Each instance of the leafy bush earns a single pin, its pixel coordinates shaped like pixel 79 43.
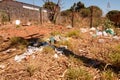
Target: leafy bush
pixel 85 12
pixel 4 17
pixel 54 33
pixel 48 49
pixel 108 24
pixel 73 33
pixel 114 16
pixel 115 56
pixel 77 74
pixel 18 40
pixel 111 55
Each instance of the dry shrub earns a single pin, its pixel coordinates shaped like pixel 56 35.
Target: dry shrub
pixel 74 33
pixel 77 74
pixel 108 75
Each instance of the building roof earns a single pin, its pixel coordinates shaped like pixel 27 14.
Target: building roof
pixel 22 3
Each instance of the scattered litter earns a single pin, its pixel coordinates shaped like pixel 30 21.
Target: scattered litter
pixel 29 51
pixel 57 38
pixel 69 26
pixel 92 29
pixel 84 30
pixel 9 50
pixel 101 40
pixel 105 34
pixel 110 31
pixel 59 50
pixel 33 56
pixel 2 66
pixel 52 40
pixel 64 46
pixel 116 38
pixel 99 33
pixel 55 55
pixel 80 50
pixel 18 58
pixel 17 22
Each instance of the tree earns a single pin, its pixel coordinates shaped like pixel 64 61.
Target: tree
pixel 77 6
pixel 53 8
pixel 97 12
pixel 114 16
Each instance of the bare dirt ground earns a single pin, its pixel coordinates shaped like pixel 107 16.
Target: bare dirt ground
pixel 43 65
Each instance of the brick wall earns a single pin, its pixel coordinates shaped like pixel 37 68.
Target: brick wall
pixel 16 11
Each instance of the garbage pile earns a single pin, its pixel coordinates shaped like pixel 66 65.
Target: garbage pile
pixel 36 46
pixel 31 50
pixel 96 32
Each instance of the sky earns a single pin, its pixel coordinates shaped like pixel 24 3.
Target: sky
pixel 66 4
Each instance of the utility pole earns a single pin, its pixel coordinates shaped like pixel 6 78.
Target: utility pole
pixel 91 17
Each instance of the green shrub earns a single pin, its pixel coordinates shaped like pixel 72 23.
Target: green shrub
pixel 55 33
pixel 115 59
pixel 111 55
pixel 18 40
pixel 108 24
pixel 48 49
pixel 77 74
pixel 65 43
pixel 4 17
pixel 73 33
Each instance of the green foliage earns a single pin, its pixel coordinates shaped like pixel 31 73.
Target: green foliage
pixel 77 6
pixel 97 12
pixel 49 5
pixel 73 33
pixel 66 43
pixel 85 12
pixel 115 56
pixel 54 33
pixel 18 40
pixel 66 12
pixel 53 9
pixel 108 24
pixel 111 55
pixel 48 49
pixel 4 17
pixel 114 16
pixel 77 74
pixel 31 69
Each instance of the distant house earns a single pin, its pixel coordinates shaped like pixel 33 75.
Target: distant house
pixel 20 11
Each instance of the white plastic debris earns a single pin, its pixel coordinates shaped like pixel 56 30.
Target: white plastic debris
pixel 31 50
pixel 2 66
pixel 18 58
pixel 9 50
pixel 17 22
pixel 58 51
pixel 99 33
pixel 92 29
pixel 80 50
pixel 116 38
pixel 83 30
pixel 55 55
pixel 64 46
pixel 57 38
pixel 69 26
pixel 104 33
pixel 101 40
